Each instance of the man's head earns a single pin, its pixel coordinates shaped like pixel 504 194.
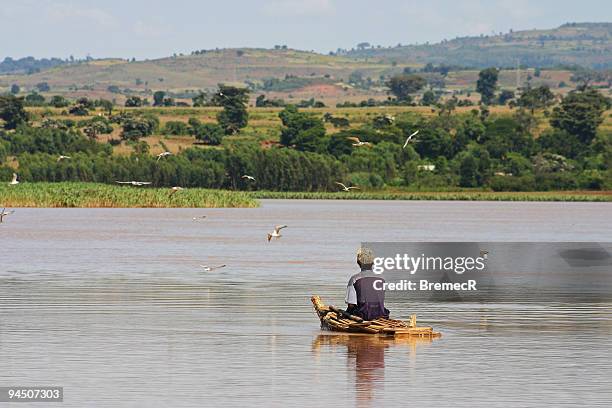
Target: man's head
pixel 365 258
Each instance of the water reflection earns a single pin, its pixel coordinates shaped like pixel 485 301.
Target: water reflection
pixel 365 357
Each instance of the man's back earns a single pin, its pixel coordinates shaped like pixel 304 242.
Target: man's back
pixel 364 290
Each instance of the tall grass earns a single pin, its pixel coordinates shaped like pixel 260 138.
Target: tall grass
pixel 441 195
pixel 92 195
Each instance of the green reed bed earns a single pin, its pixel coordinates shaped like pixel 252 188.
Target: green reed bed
pixel 92 195
pixel 442 195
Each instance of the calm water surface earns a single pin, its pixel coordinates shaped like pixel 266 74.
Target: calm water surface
pixel 112 305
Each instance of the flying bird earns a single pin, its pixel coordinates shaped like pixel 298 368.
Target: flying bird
pixel 246 176
pixel 134 183
pixel 164 154
pixel 201 217
pixel 212 268
pixel 174 190
pixel 4 213
pixel 62 157
pixel 14 181
pixel 345 188
pixel 410 138
pixel 276 233
pixel 359 142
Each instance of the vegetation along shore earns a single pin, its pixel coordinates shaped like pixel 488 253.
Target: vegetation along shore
pixel 527 144
pixel 99 195
pixel 94 195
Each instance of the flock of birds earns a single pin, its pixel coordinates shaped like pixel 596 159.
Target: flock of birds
pixel 174 189
pixel 272 235
pixel 359 143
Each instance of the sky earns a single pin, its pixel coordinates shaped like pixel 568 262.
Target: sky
pixel 158 28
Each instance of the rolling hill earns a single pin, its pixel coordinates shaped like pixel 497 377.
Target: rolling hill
pixel 584 44
pixel 325 76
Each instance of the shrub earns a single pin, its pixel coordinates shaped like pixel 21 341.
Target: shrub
pixel 138 126
pixel 592 180
pixel 206 132
pixel 556 181
pixel 176 128
pixel 59 101
pixel 510 183
pixel 78 110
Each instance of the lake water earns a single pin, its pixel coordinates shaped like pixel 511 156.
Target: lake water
pixel 112 305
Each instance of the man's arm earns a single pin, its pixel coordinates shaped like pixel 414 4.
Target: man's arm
pixel 351 294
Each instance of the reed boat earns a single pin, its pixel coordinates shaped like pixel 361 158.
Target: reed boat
pixel 335 319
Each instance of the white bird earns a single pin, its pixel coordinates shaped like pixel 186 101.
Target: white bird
pixel 410 138
pixel 359 142
pixel 174 190
pixel 345 188
pixel 212 268
pixel 14 181
pixel 4 213
pixel 62 157
pixel 201 217
pixel 134 183
pixel 246 176
pixel 164 154
pixel 276 233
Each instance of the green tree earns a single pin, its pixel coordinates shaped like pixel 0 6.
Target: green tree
pixel 12 112
pixel 201 99
pixel 536 98
pixel 339 145
pixel 15 89
pixel 234 101
pixel 581 113
pixel 302 130
pixel 486 84
pixel 85 102
pixel 429 98
pixel 471 129
pixel 403 85
pixel 504 135
pixel 176 128
pixel 43 87
pixel 133 102
pixel 58 101
pixel 517 165
pixel 208 133
pixel 560 142
pixel 137 126
pixel 434 142
pixel 158 98
pixel 106 105
pixel 34 99
pixel 505 96
pixel 474 166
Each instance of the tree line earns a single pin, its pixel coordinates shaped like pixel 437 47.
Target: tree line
pixel 451 150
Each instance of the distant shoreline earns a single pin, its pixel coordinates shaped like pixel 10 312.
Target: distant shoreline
pixel 98 195
pixel 563 196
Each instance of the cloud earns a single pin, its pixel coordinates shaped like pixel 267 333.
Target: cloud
pixel 142 29
pixel 519 9
pixel 298 8
pixel 442 19
pixel 62 12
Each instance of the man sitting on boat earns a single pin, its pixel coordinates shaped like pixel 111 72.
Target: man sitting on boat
pixel 362 298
